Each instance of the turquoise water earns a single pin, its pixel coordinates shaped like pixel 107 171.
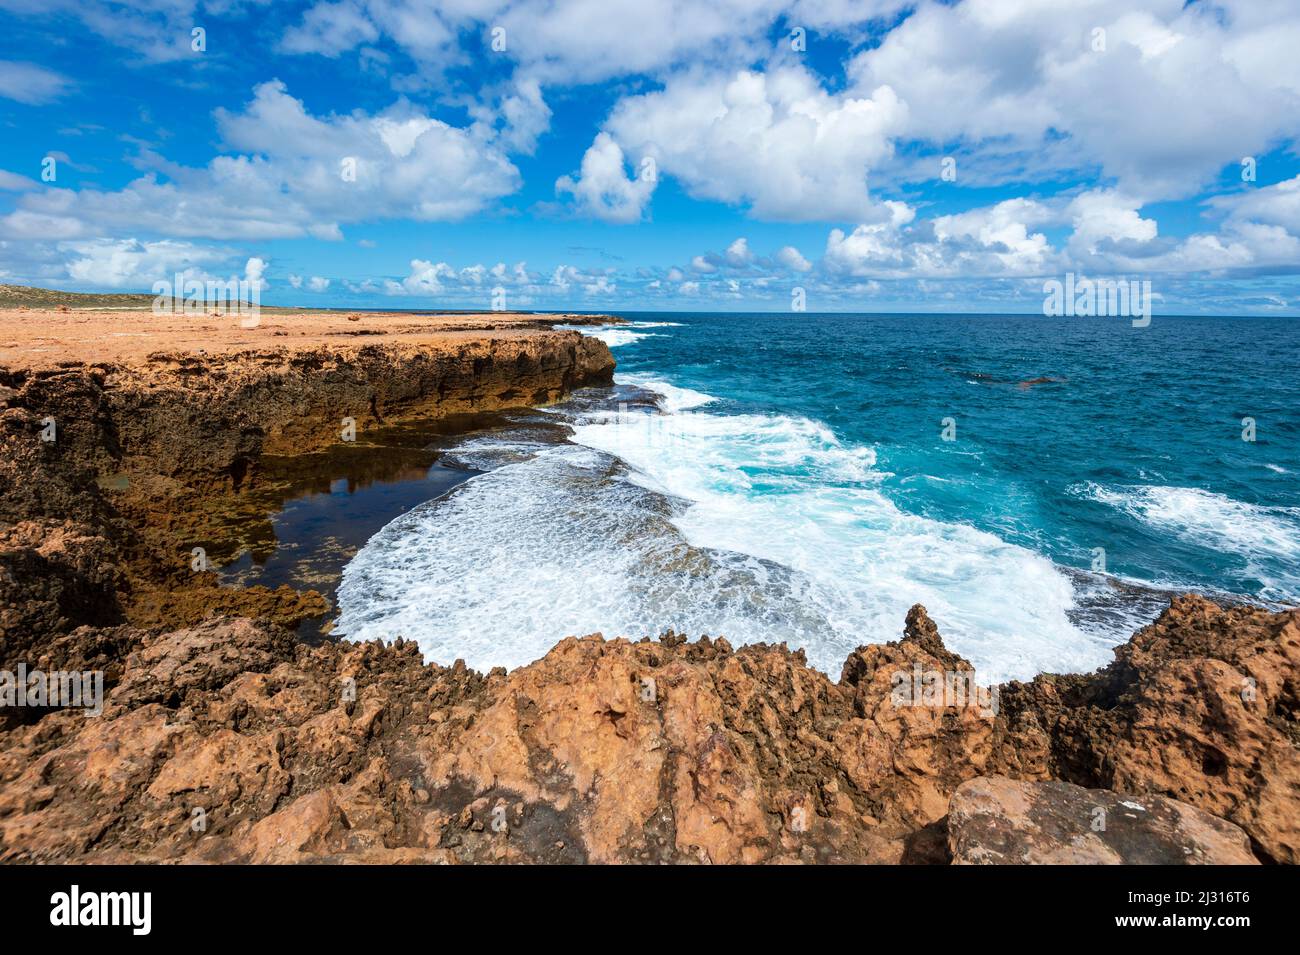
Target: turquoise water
pixel 786 477
pixel 1138 448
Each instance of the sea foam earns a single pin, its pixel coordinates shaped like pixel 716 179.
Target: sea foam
pixel 758 528
pixel 1212 521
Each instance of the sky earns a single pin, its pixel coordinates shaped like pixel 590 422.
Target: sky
pixel 848 155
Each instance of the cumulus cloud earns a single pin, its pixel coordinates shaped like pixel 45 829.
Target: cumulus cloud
pixel 791 258
pixel 292 174
pixel 1151 94
pixel 1273 205
pixel 255 272
pixel 1109 235
pixel 775 141
pixel 133 264
pixel 427 278
pixel 738 255
pixel 603 189
pixel 331 28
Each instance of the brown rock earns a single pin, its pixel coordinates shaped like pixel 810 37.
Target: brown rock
pixel 997 821
pixel 1201 706
pixel 655 751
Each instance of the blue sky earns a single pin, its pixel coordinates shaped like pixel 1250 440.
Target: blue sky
pixel 632 154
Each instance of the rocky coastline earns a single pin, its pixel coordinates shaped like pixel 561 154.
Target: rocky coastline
pixel 224 739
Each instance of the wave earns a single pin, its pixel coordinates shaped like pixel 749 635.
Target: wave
pixel 1266 538
pixel 759 528
pixel 785 490
pixel 1206 518
pixel 617 335
pixel 672 398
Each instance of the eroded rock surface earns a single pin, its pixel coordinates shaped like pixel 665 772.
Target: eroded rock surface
pixel 998 821
pixel 114 468
pixel 228 741
pixel 1202 706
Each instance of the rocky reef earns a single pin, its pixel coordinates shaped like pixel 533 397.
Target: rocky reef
pixel 222 738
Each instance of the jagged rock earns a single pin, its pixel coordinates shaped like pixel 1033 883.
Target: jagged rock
pixel 607 750
pixel 995 821
pixel 1201 706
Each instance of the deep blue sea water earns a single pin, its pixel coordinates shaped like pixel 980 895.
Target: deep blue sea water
pixel 786 477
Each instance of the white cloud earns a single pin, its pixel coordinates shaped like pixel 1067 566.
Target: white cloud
pixel 294 174
pixel 425 278
pixel 576 41
pixel 524 115
pixel 1161 109
pixel 1106 220
pixel 1275 205
pixel 568 40
pixel 776 141
pixel 132 264
pixel 738 254
pixel 254 273
pixel 318 284
pixel 793 259
pixel 12 182
pixel 437 278
pixel 997 240
pixel 31 84
pixel 603 190
pixel 998 234
pixel 330 29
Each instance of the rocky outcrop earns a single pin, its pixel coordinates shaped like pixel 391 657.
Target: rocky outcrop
pixel 998 821
pixel 136 462
pixel 230 742
pixel 1202 706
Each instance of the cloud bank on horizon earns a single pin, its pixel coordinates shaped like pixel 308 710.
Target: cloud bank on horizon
pixel 657 154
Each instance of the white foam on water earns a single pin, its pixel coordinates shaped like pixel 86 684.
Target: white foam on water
pixel 507 564
pixel 786 491
pixel 615 335
pixel 1216 522
pixel 759 528
pixel 1206 518
pixel 671 397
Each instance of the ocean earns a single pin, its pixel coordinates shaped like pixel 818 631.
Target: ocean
pixel 1041 485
